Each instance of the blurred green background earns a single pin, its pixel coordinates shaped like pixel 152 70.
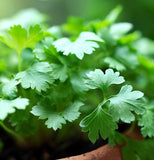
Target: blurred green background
pixel 138 12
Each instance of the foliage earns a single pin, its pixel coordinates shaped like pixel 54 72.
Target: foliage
pixel 57 72
pixel 134 149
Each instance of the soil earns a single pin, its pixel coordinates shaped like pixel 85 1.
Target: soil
pixel 76 146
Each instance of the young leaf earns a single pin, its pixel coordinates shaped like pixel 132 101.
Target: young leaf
pixel 39 54
pixel 73 25
pixel 98 121
pixel 55 32
pixel 71 113
pixel 85 43
pixel 127 57
pixel 124 102
pixel 147 121
pixel 77 82
pixel 97 79
pixel 127 39
pixel 113 15
pixel 144 46
pixel 56 119
pixel 19 39
pixel 36 76
pixel 120 29
pixel 113 63
pixel 10 88
pixel 16 38
pixel 147 63
pixel 34 36
pixel 59 72
pixel 10 106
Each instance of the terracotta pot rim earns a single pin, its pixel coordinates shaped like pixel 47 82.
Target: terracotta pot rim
pixel 106 152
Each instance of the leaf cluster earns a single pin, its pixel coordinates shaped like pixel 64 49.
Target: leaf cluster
pixel 98 72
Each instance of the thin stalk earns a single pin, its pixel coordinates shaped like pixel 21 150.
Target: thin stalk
pixel 8 130
pixel 19 61
pixel 104 91
pixel 132 126
pixel 21 141
pixel 104 95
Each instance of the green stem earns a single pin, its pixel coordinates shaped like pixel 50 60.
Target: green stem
pixel 8 130
pixel 104 91
pixel 102 103
pixel 104 95
pixel 19 61
pixel 132 126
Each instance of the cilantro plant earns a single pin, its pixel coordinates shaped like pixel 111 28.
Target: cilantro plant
pixel 98 72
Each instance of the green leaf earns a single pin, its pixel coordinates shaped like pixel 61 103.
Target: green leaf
pixel 56 119
pixel 144 46
pixel 147 121
pixel 77 81
pixel 138 150
pixel 20 120
pixel 73 25
pixel 127 57
pixel 18 38
pixel 36 76
pixel 59 71
pixel 41 50
pixel 129 38
pixel 118 30
pixel 40 54
pixel 113 15
pixel 47 43
pixel 126 101
pixel 117 138
pixel 97 79
pixel 147 63
pixel 99 121
pixel 113 63
pixel 84 44
pixel 10 88
pixel 55 32
pixel 34 36
pixel 10 106
pixel 108 38
pixel 71 113
pixel 60 92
